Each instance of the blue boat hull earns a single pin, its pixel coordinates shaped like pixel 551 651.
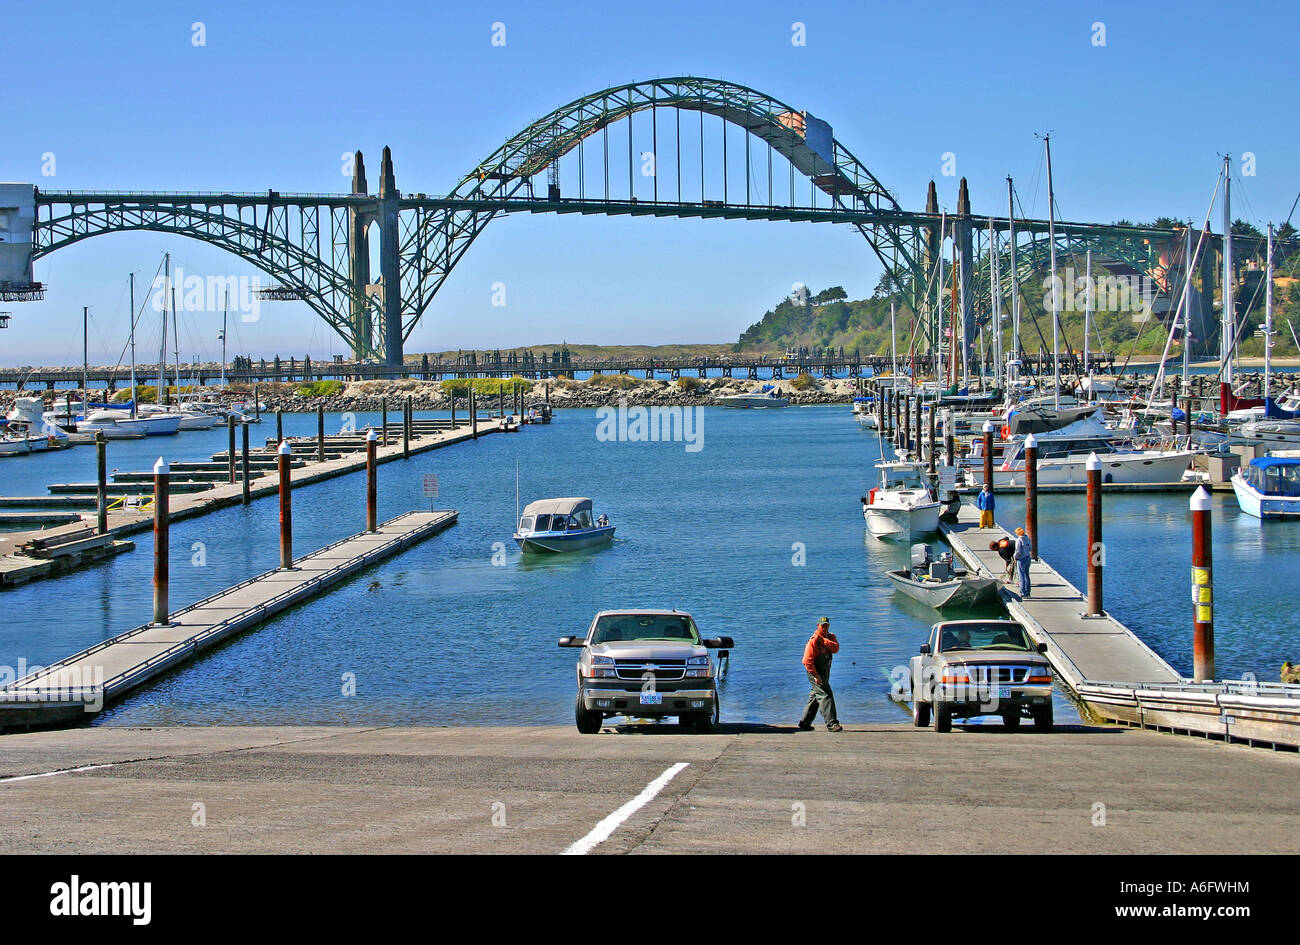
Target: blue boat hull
pixel 555 542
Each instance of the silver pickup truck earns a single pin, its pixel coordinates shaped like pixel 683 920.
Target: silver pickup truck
pixel 970 668
pixel 647 664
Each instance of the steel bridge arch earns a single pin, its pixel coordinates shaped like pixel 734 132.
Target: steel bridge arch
pixel 268 244
pixel 434 240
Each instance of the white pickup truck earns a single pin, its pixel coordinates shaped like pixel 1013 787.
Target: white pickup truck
pixel 646 664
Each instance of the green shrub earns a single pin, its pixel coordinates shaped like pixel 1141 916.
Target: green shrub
pixel 802 382
pixel 689 383
pixel 486 386
pixel 612 381
pixel 319 388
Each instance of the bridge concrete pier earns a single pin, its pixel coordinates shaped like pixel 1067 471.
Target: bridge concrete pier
pixel 390 260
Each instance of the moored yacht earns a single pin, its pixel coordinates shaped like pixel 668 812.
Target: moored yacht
pixel 902 506
pixel 766 396
pixel 1269 487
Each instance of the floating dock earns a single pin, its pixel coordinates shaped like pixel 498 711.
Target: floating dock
pixel 1115 675
pixel 195 491
pixel 82 685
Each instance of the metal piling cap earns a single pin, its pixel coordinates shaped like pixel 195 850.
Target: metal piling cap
pixel 372 436
pixel 1200 501
pixel 988 426
pixel 161 468
pixel 1031 442
pixel 1093 463
pixel 285 448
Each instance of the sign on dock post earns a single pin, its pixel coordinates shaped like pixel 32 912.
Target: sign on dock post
pixel 1202 588
pixel 431 488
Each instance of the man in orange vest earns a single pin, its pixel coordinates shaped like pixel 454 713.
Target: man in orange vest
pixel 817 655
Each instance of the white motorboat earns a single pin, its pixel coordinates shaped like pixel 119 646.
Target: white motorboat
pixel 864 412
pixel 21 437
pixel 186 419
pixel 559 525
pixel 766 396
pixel 1271 434
pixel 114 424
pixel 902 506
pixel 1269 488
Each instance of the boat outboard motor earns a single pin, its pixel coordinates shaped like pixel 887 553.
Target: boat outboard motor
pixel 920 556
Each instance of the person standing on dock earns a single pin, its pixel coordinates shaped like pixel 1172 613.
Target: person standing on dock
pixel 817 655
pixel 985 502
pixel 1024 552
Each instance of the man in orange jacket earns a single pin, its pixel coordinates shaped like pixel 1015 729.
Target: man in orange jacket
pixel 822 646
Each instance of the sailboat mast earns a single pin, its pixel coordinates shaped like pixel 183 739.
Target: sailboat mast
pixel 938 304
pixel 1051 246
pixel 996 298
pixel 133 391
pixel 893 343
pixel 85 357
pixel 176 343
pixel 1187 302
pixel 1227 329
pixel 1087 313
pixel 1268 320
pixel 1015 273
pixel 225 315
pixel 162 347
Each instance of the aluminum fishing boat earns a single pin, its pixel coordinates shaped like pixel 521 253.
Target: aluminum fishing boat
pixel 939 584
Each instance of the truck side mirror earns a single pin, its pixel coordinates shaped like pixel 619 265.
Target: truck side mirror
pixel 925 649
pixel 1042 648
pixel 720 643
pixel 572 641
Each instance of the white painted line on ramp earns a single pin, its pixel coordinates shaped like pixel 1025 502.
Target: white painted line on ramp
pixel 601 832
pixel 50 774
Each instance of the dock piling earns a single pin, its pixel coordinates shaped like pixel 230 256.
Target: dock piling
pixel 161 486
pixel 1202 588
pixel 279 425
pixel 905 408
pixel 1096 549
pixel 406 429
pixel 949 439
pixel 230 447
pixel 988 453
pixel 383 416
pixel 917 426
pixel 286 507
pixel 1031 493
pixel 257 406
pixel 452 393
pixel 473 411
pixel 101 493
pixel 320 434
pixel 372 518
pixel 243 454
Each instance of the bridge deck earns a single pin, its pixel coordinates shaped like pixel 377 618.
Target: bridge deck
pixel 71 688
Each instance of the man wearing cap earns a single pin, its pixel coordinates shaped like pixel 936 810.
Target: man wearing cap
pixel 1024 551
pixel 817 655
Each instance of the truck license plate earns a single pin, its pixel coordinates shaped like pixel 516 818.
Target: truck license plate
pixel 1004 692
pixel 652 698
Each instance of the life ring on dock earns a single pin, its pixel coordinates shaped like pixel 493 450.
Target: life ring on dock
pixel 1006 431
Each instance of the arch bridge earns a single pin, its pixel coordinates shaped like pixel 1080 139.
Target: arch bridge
pixel 676 147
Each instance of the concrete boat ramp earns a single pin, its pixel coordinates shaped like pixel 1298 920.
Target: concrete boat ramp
pixel 84 683
pixel 1113 674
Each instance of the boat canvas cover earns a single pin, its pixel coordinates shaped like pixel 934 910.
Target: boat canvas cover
pixel 1271 462
pixel 557 506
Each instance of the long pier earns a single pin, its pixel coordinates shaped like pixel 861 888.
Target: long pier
pixel 85 683
pixel 1108 668
pixel 196 493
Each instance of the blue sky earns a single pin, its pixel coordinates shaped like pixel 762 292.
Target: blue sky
pixel 124 100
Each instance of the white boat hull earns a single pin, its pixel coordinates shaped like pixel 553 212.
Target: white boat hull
pixel 895 522
pixel 1116 468
pixel 1253 502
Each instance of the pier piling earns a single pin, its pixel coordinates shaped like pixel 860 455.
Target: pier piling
pixel 949 439
pixel 931 439
pixel 383 416
pixel 243 456
pixel 161 485
pixel 916 426
pixel 230 447
pixel 1031 493
pixel 1202 588
pixel 1096 550
pixel 473 411
pixel 101 492
pixel 905 439
pixel 372 441
pixel 452 394
pixel 988 453
pixel 320 434
pixel 406 429
pixel 279 425
pixel 286 507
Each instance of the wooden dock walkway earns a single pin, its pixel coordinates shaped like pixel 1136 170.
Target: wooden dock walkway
pixel 75 688
pixel 1113 674
pixel 198 498
pixel 1082 648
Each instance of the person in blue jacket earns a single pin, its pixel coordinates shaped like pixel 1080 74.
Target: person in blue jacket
pixel 984 502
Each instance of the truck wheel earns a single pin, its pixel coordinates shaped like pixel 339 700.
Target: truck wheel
pixel 1011 720
pixel 920 713
pixel 942 717
pixel 706 722
pixel 1043 718
pixel 588 722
